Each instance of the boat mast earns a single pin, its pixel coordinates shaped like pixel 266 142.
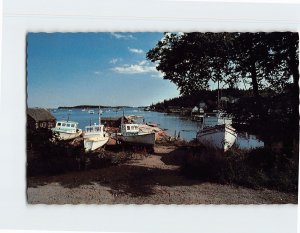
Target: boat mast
pixel 123 131
pixel 99 117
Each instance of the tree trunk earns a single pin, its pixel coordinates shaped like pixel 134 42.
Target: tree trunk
pixel 254 80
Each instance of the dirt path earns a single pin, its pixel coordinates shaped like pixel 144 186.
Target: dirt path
pixel 156 160
pixel 155 179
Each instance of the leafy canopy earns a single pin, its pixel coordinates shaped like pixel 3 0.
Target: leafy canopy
pixel 191 60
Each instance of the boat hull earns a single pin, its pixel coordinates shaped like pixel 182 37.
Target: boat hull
pixel 221 137
pixel 68 136
pixel 144 139
pixel 94 142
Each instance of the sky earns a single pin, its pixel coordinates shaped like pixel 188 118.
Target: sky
pixel 68 69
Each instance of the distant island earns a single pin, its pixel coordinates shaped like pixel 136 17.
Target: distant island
pixel 95 106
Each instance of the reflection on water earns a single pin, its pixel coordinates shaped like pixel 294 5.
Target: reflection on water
pixel 170 122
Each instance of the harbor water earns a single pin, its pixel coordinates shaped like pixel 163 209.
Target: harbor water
pixel 173 124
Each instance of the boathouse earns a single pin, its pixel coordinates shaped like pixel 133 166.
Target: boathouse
pixel 114 121
pixel 39 118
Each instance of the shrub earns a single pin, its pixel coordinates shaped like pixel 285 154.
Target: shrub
pixel 48 156
pixel 258 168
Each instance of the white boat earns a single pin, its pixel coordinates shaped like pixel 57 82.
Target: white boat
pixel 67 130
pixel 94 136
pixel 91 111
pixel 221 137
pixel 130 133
pixel 216 131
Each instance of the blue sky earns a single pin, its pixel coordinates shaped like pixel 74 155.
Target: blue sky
pixel 67 69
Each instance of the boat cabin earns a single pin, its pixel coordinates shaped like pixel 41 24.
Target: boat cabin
pixel 66 126
pixel 130 129
pixel 94 128
pixel 216 118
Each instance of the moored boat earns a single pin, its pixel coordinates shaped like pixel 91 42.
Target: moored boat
pixel 91 111
pixel 130 133
pixel 216 131
pixel 67 130
pixel 221 137
pixel 94 136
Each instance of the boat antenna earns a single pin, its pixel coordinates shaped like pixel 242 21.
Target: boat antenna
pixel 68 117
pixel 90 122
pixel 99 116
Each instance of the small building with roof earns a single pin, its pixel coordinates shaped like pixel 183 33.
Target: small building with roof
pixel 115 121
pixel 39 118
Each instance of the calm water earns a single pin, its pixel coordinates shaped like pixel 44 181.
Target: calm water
pixel 171 123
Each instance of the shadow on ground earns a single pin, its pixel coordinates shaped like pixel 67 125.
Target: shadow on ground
pixel 177 156
pixel 125 178
pixel 129 179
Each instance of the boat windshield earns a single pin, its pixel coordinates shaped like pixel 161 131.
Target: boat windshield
pixel 130 128
pixel 93 128
pixel 66 124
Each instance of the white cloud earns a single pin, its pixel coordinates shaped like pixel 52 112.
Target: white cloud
pixel 157 75
pixel 134 69
pixel 142 67
pixel 97 72
pixel 142 63
pixel 114 60
pixel 133 50
pixel 122 36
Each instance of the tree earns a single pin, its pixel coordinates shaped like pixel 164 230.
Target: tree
pixel 191 60
pixel 267 61
pixel 285 47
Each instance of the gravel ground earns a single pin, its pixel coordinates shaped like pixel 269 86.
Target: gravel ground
pixel 154 179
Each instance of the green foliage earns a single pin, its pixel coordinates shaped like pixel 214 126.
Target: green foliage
pixel 207 96
pixel 273 122
pixel 205 164
pixel 267 61
pixel 46 155
pixel 191 60
pixel 259 168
